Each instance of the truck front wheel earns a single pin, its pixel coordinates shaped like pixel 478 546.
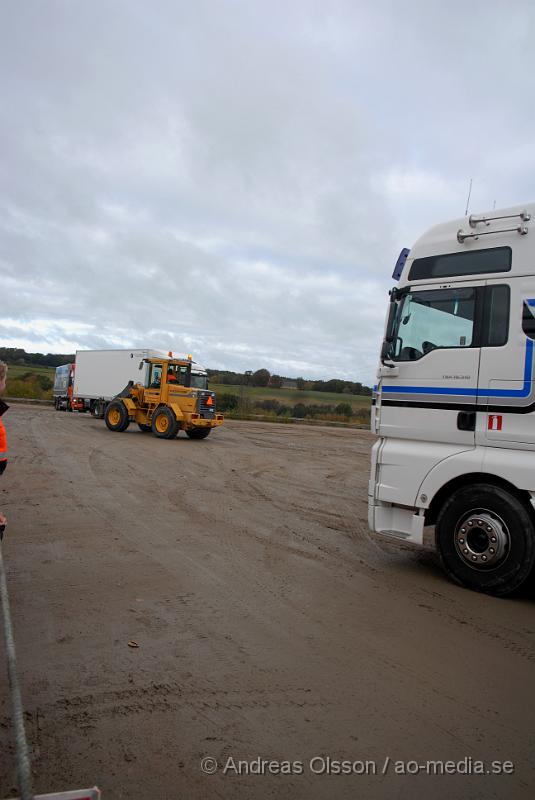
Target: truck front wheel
pixel 198 433
pixel 164 423
pixel 116 417
pixel 486 539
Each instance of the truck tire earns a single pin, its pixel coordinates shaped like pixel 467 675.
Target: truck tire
pixel 485 537
pixel 198 433
pixel 98 409
pixel 144 428
pixel 164 423
pixel 116 416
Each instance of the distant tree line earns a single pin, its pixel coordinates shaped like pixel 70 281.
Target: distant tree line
pixel 335 385
pixel 15 355
pixel 262 377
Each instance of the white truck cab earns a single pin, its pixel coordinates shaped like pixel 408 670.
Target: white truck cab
pixel 454 404
pixel 199 376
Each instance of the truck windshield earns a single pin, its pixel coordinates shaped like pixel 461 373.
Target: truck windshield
pixel 428 320
pixel 199 381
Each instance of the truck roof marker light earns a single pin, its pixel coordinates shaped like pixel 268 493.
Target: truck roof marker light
pixel 190 358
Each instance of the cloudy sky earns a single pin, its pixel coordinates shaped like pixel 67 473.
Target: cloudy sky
pixel 235 179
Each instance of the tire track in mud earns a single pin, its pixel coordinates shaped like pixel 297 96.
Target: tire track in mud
pixel 455 615
pixel 173 695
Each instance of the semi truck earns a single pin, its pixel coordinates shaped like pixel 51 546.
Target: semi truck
pixel 454 403
pixel 63 391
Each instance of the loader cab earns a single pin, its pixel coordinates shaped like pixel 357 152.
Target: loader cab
pixel 167 374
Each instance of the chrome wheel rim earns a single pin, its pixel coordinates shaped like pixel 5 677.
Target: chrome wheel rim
pixel 482 539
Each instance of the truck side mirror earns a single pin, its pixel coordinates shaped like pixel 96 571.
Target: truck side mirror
pixel 385 349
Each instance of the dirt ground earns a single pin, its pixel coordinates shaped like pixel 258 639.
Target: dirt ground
pixel 270 624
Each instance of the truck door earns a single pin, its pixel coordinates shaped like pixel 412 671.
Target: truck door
pixel 506 399
pixel 430 391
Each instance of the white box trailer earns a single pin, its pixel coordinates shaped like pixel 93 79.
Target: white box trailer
pixel 101 374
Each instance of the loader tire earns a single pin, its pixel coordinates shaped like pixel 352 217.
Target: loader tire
pixel 164 423
pixel 116 417
pixel 198 433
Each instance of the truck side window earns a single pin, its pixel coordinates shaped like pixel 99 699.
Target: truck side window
pixel 528 320
pixel 433 319
pixel 497 303
pixel 448 265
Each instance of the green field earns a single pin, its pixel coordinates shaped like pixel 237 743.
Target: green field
pixel 289 397
pixel 15 371
pixel 30 382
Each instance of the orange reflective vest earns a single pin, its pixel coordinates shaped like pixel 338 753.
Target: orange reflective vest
pixel 3 439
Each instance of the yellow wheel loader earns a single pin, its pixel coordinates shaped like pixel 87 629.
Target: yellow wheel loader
pixel 166 404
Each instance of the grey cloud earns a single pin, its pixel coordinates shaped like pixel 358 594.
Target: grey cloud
pixel 236 179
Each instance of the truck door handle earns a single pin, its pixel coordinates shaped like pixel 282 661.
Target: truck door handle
pixel 387 371
pixel 466 420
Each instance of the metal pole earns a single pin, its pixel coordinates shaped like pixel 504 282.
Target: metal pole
pixel 468 198
pixel 23 757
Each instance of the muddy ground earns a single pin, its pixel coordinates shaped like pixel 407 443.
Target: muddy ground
pixel 269 624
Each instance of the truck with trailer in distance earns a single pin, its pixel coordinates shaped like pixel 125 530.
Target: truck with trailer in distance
pixel 454 404
pixel 101 374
